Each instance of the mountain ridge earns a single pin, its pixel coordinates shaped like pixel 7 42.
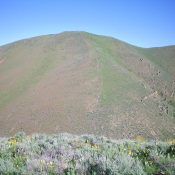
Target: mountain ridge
pixel 83 32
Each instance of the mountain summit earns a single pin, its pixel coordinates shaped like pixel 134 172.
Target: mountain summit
pixel 84 83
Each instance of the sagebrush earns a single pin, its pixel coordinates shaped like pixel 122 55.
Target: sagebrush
pixel 84 155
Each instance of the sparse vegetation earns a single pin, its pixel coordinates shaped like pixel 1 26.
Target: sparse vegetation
pixel 84 155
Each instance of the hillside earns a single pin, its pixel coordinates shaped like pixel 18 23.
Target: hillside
pixel 84 83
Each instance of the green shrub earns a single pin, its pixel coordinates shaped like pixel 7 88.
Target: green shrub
pixel 90 155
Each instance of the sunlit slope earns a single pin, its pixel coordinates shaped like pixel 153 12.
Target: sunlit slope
pixel 83 83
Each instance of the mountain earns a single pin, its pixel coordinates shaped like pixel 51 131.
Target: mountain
pixel 84 83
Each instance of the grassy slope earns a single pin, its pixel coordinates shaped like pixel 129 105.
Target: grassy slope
pixel 122 83
pixel 163 57
pixel 50 65
pixel 164 60
pixel 117 79
pixel 28 63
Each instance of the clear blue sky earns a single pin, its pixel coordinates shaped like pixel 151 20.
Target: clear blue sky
pixel 145 23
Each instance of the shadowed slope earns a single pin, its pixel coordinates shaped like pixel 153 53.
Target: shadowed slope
pixel 83 83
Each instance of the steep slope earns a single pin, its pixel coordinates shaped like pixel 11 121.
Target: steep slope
pixel 83 83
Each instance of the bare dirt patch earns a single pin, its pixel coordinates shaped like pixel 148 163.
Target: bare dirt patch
pixel 1 61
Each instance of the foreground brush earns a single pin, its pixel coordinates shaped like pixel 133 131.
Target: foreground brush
pixel 84 155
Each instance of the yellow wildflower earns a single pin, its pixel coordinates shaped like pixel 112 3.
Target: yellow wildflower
pixel 95 146
pixel 43 161
pixel 12 141
pixel 86 141
pixel 50 164
pixel 140 139
pixel 130 152
pixel 171 142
